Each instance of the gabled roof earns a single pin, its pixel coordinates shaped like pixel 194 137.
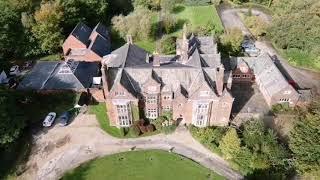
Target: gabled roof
pixel 132 64
pixel 126 56
pixel 60 75
pixel 100 46
pixel 81 32
pixel 266 71
pixel 102 30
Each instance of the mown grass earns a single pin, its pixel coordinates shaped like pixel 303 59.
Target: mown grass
pixel 142 165
pixel 52 57
pixel 299 58
pixel 200 16
pixel 100 111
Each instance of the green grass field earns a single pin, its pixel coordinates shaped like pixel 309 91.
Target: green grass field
pixel 142 165
pixel 199 16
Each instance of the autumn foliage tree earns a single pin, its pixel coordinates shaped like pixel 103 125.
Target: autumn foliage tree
pixel 47 26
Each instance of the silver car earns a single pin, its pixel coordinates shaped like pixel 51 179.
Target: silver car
pixel 48 121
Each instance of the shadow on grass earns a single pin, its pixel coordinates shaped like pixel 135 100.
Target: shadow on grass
pixel 80 173
pixel 178 9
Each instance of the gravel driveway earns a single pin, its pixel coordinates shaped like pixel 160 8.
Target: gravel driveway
pixel 63 148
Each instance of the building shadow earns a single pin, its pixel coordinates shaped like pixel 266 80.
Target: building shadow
pixel 242 93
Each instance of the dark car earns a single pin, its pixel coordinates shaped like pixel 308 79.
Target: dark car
pixel 64 118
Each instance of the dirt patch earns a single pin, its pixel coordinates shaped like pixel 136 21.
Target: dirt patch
pixel 63 141
pixel 48 148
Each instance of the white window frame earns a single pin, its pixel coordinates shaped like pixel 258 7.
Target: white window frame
pixel 124 115
pixel 152 99
pixel 201 114
pixel 152 113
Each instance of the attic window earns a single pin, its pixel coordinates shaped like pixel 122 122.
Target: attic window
pixel 65 69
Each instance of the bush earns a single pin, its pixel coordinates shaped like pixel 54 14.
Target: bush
pixel 150 128
pixel 281 108
pixel 165 119
pixel 169 23
pixel 134 131
pixel 205 30
pixel 167 45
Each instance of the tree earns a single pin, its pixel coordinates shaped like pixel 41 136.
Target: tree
pixel 47 26
pixel 89 11
pixel 230 144
pixel 304 142
pixel 257 26
pixel 12 121
pixel 232 40
pixel 11 30
pixel 149 4
pixel 137 24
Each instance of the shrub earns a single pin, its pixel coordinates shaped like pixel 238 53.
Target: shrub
pixel 150 128
pixel 281 108
pixel 205 30
pixel 134 131
pixel 167 45
pixel 169 23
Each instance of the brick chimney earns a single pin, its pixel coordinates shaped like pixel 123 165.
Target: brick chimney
pixel 184 46
pixel 219 79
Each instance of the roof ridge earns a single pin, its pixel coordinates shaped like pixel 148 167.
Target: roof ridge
pixel 50 76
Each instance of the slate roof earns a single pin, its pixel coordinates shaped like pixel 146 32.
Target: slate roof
pixel 266 71
pixel 100 46
pixel 71 75
pixel 82 32
pixel 129 66
pixel 96 40
pixel 102 30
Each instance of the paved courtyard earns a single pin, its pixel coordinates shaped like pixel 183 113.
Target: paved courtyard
pixel 60 149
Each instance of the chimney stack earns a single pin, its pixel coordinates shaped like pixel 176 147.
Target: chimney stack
pixel 129 39
pixel 219 79
pixel 184 56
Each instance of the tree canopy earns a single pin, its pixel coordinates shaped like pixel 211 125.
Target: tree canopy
pixel 304 142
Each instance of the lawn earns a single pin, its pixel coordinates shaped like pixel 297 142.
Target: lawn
pixel 100 111
pixel 142 165
pixel 52 57
pixel 199 16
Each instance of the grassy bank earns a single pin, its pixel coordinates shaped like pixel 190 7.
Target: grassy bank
pixel 140 165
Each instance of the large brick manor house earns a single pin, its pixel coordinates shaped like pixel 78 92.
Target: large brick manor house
pixel 193 84
pixel 190 83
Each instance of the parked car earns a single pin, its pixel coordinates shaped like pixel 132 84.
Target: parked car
pixel 14 70
pixel 64 118
pixel 252 52
pixel 48 121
